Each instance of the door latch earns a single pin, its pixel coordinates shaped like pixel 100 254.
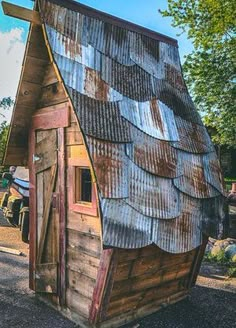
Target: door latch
pixel 36 158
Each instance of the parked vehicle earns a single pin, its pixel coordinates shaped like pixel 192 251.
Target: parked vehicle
pixel 15 202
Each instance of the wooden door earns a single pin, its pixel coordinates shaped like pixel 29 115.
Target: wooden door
pixel 47 200
pixel 45 161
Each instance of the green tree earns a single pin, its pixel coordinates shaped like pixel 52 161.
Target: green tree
pixel 4 127
pixel 210 70
pixel 5 104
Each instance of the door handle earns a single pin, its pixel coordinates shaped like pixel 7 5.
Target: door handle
pixel 36 158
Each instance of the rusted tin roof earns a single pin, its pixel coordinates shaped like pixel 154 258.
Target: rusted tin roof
pixel 154 162
pixel 193 138
pixel 195 177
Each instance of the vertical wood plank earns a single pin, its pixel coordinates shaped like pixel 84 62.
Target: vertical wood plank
pixel 40 203
pixel 197 262
pixel 62 213
pixel 32 212
pixel 46 213
pixel 101 291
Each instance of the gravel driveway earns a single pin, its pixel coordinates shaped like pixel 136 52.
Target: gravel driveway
pixel 212 302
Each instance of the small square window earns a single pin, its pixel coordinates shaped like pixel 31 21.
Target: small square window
pixel 83 185
pixel 82 196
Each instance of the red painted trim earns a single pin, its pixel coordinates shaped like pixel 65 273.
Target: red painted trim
pixel 62 215
pixel 104 284
pixel 32 212
pixel 54 118
pixel 77 207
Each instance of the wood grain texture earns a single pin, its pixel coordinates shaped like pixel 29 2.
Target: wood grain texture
pixel 28 15
pixel 62 214
pixel 73 135
pixel 83 263
pixel 46 213
pixel 52 94
pixel 83 223
pixel 32 212
pixel 85 243
pixel 50 76
pixel 104 284
pixel 146 278
pixel 52 117
pixel 77 302
pixel 46 152
pixel 81 283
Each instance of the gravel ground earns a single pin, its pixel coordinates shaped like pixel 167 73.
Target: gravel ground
pixel 212 302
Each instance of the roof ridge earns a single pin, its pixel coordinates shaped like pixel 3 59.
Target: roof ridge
pixel 108 18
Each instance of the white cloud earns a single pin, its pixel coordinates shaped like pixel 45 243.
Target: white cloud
pixel 11 56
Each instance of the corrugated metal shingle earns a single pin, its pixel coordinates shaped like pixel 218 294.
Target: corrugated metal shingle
pixel 111 167
pixel 151 195
pixel 193 137
pixel 156 171
pixel 123 226
pixel 151 117
pixel 100 119
pixel 181 234
pixel 153 155
pixel 193 181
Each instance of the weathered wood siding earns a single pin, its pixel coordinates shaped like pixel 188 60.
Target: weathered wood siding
pixel 83 235
pixel 146 280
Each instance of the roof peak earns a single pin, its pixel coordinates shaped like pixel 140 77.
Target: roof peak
pixel 89 11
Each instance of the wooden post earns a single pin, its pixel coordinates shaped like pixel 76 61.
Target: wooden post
pixel 62 215
pixel 104 284
pixel 32 212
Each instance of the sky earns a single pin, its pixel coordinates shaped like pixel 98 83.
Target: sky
pixel 13 34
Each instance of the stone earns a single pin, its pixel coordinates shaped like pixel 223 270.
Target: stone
pixel 230 252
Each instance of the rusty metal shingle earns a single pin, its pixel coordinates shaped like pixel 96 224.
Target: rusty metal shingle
pixel 151 195
pixel 153 155
pixel 153 159
pixel 193 137
pixel 169 55
pixel 181 234
pixel 85 80
pixel 213 172
pixel 111 167
pixel 179 102
pixel 193 182
pixel 145 53
pixel 151 117
pixel 123 226
pixel 100 119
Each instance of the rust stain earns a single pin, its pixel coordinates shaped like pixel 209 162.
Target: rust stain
pixel 155 112
pixel 72 47
pixel 95 86
pixel 198 180
pixel 174 77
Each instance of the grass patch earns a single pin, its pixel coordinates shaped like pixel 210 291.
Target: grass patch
pixel 232 272
pixel 221 259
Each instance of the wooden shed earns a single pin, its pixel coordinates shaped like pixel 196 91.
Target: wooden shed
pixel 125 184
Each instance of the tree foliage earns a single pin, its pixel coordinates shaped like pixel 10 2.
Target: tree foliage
pixel 5 104
pixel 3 138
pixel 210 70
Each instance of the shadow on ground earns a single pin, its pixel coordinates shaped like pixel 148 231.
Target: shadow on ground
pixel 205 308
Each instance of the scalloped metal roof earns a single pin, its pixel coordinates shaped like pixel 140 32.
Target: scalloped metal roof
pixel 154 162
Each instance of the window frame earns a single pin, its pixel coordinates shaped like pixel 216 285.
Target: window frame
pixel 89 208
